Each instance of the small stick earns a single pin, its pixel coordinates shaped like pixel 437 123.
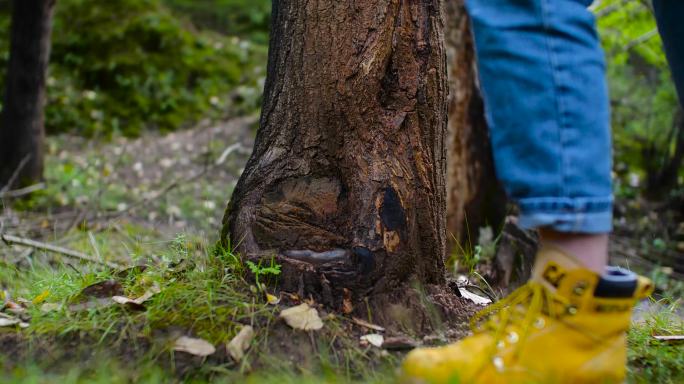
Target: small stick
pixel 22 191
pixel 9 239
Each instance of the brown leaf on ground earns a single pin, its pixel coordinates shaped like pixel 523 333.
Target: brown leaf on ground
pixel 103 289
pixel 302 317
pixel 240 343
pixel 193 346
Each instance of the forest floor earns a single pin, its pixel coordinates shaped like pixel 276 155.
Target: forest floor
pixel 184 307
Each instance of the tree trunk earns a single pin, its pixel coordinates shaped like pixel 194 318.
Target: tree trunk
pixel 474 196
pixel 346 183
pixel 21 129
pixel 665 166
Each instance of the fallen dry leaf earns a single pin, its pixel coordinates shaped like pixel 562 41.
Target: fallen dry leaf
pixel 240 343
pixel 302 317
pixel 373 339
pixel 137 303
pixel 193 346
pixel 368 325
pixel 477 299
pixel 103 289
pixel 5 322
pixel 272 299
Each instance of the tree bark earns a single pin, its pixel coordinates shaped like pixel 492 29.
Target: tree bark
pixel 346 183
pixel 474 196
pixel 21 129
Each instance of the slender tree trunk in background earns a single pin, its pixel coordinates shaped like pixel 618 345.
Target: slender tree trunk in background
pixel 346 184
pixel 21 125
pixel 662 178
pixel 474 196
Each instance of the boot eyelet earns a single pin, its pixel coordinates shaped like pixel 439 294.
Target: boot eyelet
pixel 498 363
pixel 571 310
pixel 513 337
pixel 539 323
pixel 500 345
pixel 580 288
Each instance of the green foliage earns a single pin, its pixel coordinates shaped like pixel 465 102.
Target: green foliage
pixel 651 360
pixel 128 65
pixel 245 18
pixel 259 271
pixel 642 92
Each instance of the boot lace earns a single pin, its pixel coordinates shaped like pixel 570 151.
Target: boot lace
pixel 523 308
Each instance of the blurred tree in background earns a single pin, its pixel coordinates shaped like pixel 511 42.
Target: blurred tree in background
pixel 647 132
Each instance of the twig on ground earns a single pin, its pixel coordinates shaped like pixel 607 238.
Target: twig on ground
pixel 9 239
pixel 16 173
pixel 22 191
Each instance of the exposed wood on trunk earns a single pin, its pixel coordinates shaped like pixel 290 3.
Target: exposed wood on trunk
pixel 346 184
pixel 21 125
pixel 474 196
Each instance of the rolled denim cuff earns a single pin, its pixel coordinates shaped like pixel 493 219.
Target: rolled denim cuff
pixel 578 215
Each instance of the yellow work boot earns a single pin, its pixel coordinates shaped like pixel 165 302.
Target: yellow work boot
pixel 566 325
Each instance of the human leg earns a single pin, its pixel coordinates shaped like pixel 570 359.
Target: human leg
pixel 543 78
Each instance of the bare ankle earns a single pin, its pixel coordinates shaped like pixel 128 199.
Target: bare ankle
pixel 589 249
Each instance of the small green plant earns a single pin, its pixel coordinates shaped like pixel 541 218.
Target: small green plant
pixel 259 271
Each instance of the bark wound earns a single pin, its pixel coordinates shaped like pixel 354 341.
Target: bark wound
pixel 393 220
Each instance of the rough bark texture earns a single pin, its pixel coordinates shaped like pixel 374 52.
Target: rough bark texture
pixel 346 183
pixel 21 125
pixel 474 196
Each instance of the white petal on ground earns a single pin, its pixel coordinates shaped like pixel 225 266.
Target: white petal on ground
pixel 477 299
pixel 373 339
pixel 193 346
pixel 302 317
pixel 240 343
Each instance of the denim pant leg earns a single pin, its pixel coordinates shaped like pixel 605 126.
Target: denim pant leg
pixel 542 73
pixel 670 17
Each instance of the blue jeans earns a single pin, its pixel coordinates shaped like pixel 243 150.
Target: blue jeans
pixel 542 73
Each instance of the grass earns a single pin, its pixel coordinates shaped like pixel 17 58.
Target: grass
pixel 651 360
pixel 204 293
